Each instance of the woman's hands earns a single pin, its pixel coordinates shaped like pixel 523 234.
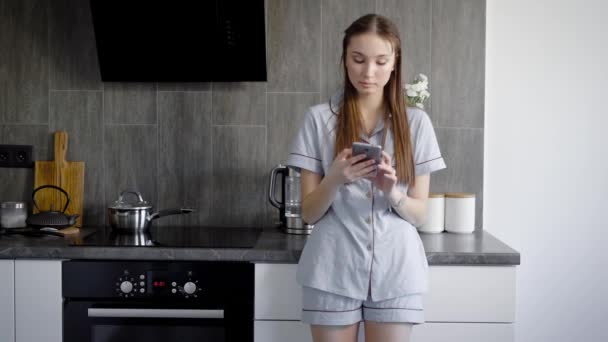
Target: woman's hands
pixel 346 168
pixel 386 179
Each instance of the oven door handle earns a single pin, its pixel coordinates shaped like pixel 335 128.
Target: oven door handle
pixel 155 313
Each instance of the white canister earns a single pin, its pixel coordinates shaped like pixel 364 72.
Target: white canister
pixel 435 214
pixel 459 212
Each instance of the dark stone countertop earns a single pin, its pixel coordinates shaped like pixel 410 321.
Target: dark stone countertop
pixel 273 246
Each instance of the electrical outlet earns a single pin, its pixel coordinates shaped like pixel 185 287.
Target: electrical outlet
pixel 16 156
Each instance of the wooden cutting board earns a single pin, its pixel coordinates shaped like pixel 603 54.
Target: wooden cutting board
pixel 68 175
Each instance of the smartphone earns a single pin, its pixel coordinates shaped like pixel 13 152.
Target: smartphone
pixel 371 151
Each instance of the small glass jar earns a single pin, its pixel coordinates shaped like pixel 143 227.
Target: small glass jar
pixel 13 215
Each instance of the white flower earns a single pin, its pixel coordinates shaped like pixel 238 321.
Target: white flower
pixel 425 94
pixel 412 93
pixel 408 86
pixel 420 105
pixel 423 78
pixel 417 87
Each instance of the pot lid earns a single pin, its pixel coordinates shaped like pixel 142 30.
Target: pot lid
pixel 135 202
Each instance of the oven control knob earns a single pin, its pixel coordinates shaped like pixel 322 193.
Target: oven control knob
pixel 190 288
pixel 126 286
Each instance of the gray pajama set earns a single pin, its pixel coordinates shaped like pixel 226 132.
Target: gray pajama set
pixel 362 261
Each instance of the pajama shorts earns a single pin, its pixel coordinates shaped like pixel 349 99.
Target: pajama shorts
pixel 324 308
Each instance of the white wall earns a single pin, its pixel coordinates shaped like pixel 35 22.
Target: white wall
pixel 546 160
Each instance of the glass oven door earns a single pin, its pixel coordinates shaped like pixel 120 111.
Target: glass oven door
pixel 95 322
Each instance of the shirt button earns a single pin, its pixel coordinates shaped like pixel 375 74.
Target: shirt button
pixel 368 220
pixel 369 194
pixel 369 247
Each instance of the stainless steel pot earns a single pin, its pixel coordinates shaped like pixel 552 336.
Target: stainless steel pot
pixel 137 216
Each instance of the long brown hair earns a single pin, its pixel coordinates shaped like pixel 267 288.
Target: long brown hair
pixel 350 121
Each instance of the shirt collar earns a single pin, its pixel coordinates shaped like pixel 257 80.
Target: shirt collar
pixel 379 127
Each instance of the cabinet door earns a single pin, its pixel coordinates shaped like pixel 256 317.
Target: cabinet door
pixel 294 331
pixel 7 301
pixel 477 294
pixel 277 295
pixel 281 331
pixel 38 301
pixel 463 332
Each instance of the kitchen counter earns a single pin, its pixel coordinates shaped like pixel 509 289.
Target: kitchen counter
pixel 273 246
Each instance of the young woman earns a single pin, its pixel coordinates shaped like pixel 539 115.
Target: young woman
pixel 364 260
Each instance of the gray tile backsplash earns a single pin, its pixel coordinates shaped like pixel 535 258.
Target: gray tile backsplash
pixel 72 51
pixel 80 113
pixel 458 63
pixel 130 103
pixel 239 171
pixel 24 67
pixel 211 145
pixel 294 45
pixel 242 103
pixel 185 156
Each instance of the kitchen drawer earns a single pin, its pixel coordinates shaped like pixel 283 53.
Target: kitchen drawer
pixel 38 301
pixel 294 331
pixel 457 293
pixel 281 331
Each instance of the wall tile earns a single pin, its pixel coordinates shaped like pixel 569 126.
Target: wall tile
pixel 186 86
pixel 336 17
pixel 413 20
pixel 458 63
pixel 23 62
pixel 73 54
pixel 80 113
pixel 130 103
pixel 242 103
pixel 130 161
pixel 462 150
pixel 17 184
pixel 185 166
pixel 238 176
pixel 294 42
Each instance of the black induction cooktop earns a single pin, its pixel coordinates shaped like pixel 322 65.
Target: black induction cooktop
pixel 171 236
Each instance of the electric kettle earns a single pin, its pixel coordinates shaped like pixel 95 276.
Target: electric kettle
pixel 290 209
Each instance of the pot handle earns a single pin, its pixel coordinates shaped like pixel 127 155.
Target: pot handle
pixel 168 212
pixel 136 193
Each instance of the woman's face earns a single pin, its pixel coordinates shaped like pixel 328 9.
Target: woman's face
pixel 369 62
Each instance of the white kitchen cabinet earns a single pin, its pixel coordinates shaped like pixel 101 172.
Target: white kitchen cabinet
pixel 38 301
pixel 296 331
pixel 465 303
pixel 7 300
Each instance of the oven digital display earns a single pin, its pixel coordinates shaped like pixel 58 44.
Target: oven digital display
pixel 159 283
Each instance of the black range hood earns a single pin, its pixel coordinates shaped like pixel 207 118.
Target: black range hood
pixel 180 41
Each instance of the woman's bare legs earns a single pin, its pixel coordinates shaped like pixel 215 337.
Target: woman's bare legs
pixel 387 332
pixel 337 333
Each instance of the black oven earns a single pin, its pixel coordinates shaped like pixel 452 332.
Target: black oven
pixel 157 301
